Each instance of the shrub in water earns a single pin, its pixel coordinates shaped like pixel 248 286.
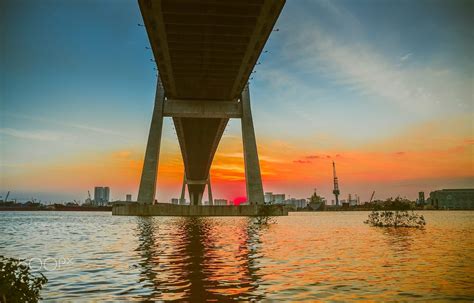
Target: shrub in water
pixel 395 219
pixel 17 284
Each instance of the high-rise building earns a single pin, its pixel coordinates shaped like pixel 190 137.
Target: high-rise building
pixel 101 195
pixel 128 198
pixel 421 198
pixel 174 201
pixel 106 194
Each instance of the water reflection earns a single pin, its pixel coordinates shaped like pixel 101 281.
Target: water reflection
pixel 304 257
pixel 200 258
pixel 401 239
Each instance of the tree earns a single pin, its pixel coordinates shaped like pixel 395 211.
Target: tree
pixel 17 284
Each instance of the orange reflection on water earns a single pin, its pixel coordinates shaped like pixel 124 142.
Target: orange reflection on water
pixel 317 256
pixel 325 256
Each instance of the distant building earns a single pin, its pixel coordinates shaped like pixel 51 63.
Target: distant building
pixel 220 202
pixel 101 195
pixel 298 203
pixel 279 198
pixel 272 198
pixel 128 198
pixel 452 199
pixel 268 197
pixel 106 194
pixel 351 201
pixel 421 198
pixel 175 201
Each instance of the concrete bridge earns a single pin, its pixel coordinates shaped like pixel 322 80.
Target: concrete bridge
pixel 205 51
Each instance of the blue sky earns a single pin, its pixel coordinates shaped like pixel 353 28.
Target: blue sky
pixel 76 80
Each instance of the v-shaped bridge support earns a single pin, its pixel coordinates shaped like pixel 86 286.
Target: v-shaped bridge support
pixel 200 109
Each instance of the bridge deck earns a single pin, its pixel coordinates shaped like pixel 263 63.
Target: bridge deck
pixel 206 49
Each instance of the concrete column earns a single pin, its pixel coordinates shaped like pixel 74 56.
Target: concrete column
pixel 209 190
pixel 195 197
pixel 253 177
pixel 182 198
pixel 146 193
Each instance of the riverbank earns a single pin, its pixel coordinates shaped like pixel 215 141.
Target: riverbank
pixel 65 208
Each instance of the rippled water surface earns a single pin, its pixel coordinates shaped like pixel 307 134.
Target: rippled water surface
pixel 305 256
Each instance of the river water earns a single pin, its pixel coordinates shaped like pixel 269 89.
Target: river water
pixel 326 256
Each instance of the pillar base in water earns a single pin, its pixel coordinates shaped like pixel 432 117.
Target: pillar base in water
pixel 166 209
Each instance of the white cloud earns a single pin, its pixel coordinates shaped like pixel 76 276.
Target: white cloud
pixel 32 134
pixel 357 64
pixel 405 57
pixel 68 124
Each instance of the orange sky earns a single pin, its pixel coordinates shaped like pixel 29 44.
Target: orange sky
pixel 389 99
pixel 421 158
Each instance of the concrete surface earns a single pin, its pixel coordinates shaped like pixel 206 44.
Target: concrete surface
pixel 166 209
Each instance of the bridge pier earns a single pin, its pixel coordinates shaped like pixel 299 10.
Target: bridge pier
pixel 147 190
pixel 195 199
pixel 253 176
pixel 204 59
pixel 204 109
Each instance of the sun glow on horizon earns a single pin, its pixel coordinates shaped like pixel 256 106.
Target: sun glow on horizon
pixel 389 100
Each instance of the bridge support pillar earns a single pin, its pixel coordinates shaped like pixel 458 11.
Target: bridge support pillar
pixel 253 176
pixel 182 199
pixel 209 190
pixel 196 199
pixel 147 190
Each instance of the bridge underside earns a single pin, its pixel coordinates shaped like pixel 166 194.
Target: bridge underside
pixel 198 139
pixel 205 51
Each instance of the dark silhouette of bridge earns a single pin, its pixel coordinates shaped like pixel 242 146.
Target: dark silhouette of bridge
pixel 205 51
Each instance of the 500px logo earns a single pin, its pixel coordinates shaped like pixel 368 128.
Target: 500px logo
pixel 48 264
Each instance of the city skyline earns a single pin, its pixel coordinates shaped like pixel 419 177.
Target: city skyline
pixel 390 102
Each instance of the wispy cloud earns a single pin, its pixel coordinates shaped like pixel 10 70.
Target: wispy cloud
pixel 405 57
pixel 370 73
pixel 302 161
pixel 67 124
pixel 365 68
pixel 32 134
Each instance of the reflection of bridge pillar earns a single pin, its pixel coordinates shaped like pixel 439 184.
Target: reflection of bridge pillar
pixel 253 177
pixel 146 192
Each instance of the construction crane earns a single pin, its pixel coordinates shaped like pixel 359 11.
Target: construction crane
pixel 88 200
pixel 6 197
pixel 372 197
pixel 336 184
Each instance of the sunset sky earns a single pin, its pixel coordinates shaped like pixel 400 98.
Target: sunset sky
pixel 383 88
